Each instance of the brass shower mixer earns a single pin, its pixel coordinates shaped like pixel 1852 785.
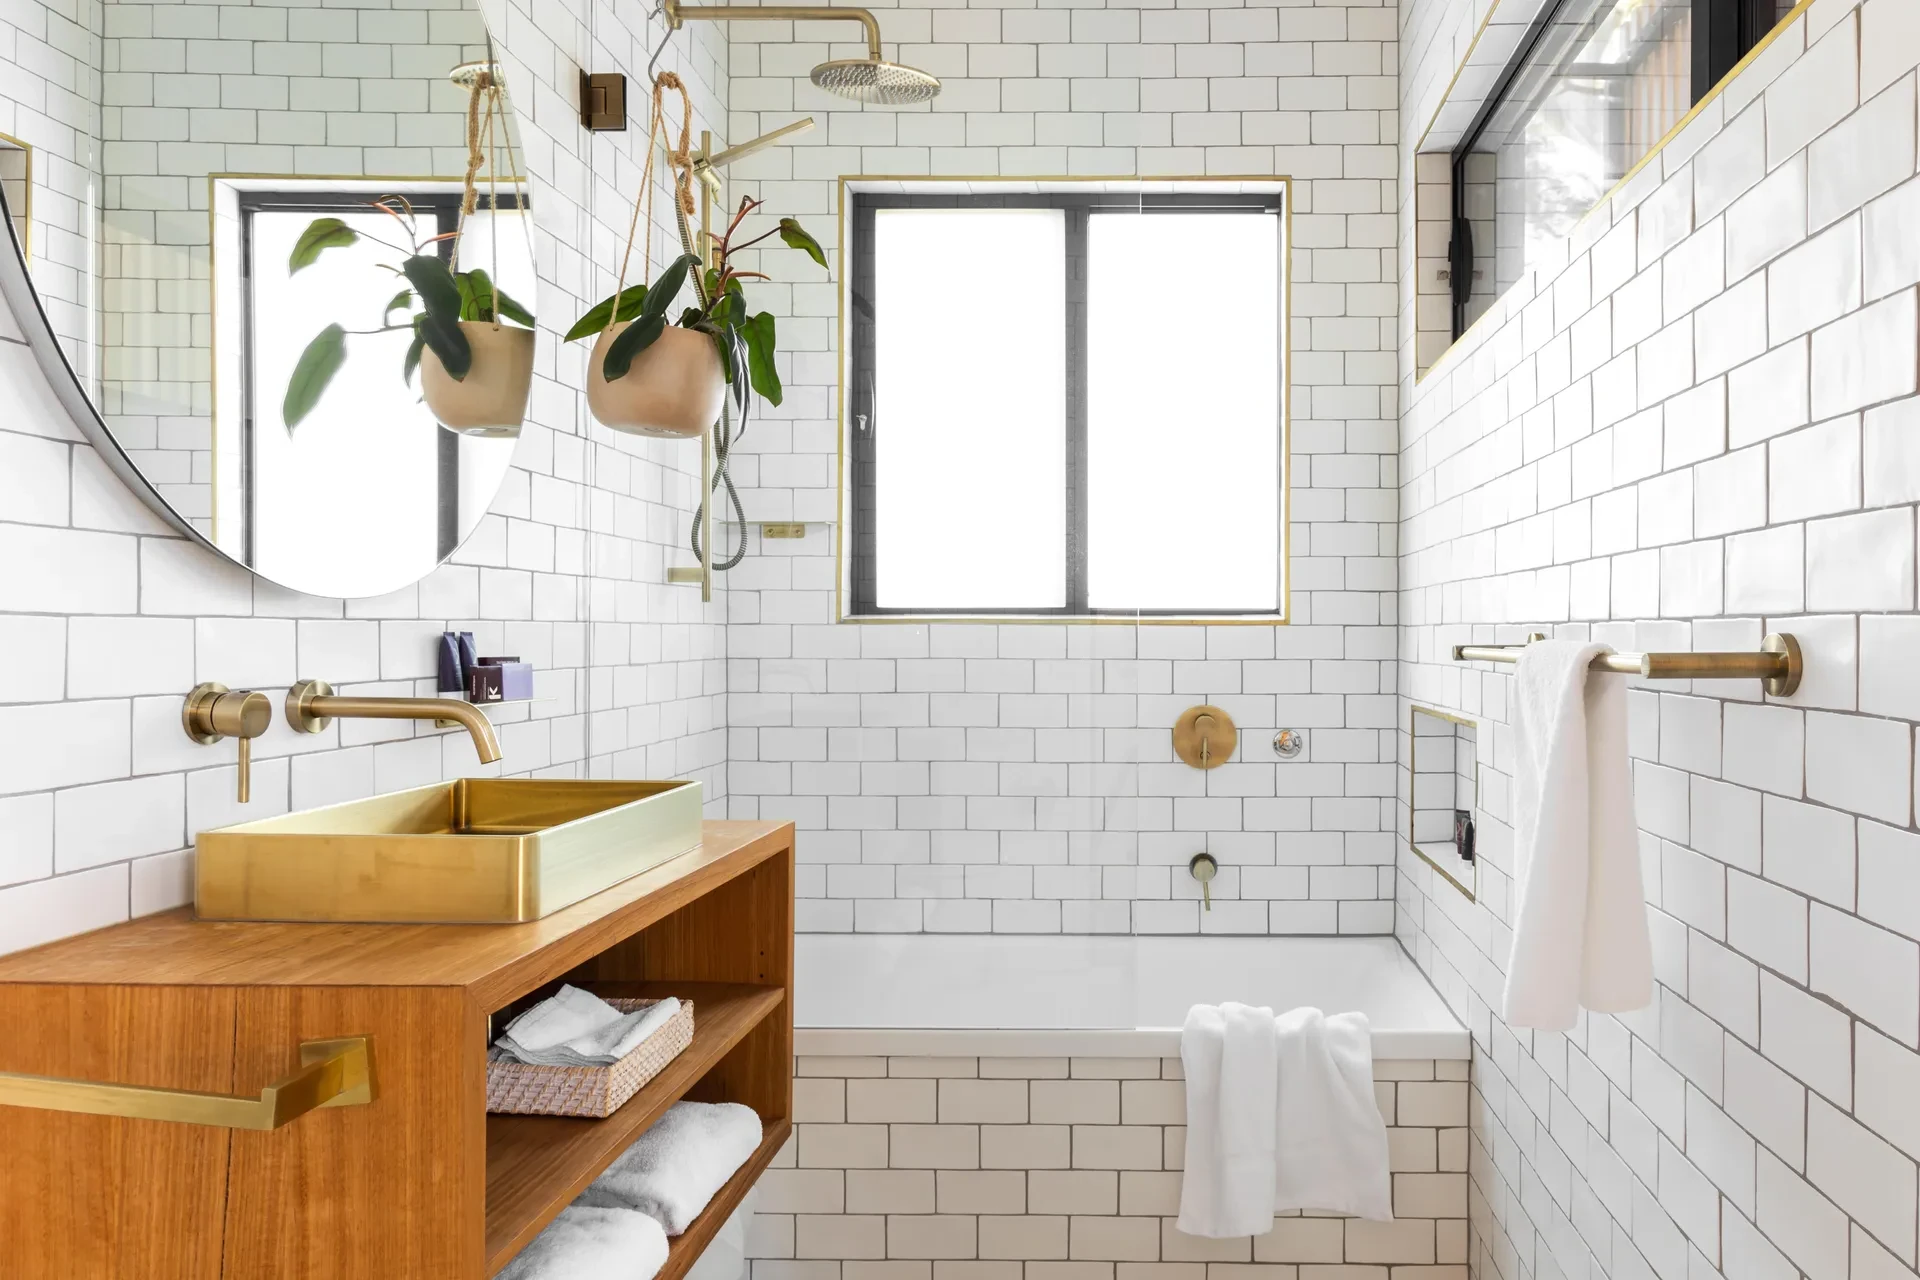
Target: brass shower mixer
pixel 1205 737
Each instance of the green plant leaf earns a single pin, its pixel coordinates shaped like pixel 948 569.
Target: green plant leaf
pixel 439 291
pixel 414 349
pixel 476 294
pixel 634 339
pixel 797 238
pixel 317 365
pixel 758 332
pixel 668 286
pixel 402 300
pixel 632 298
pixel 722 343
pixel 510 309
pixel 447 342
pixel 321 234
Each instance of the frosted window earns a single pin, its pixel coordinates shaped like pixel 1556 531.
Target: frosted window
pixel 1183 412
pixel 969 408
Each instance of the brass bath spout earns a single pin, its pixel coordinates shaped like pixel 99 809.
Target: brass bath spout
pixel 312 705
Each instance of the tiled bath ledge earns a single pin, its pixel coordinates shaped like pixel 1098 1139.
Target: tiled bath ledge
pixel 1063 1168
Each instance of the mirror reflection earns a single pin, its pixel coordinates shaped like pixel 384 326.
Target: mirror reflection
pixel 286 255
pixel 1446 792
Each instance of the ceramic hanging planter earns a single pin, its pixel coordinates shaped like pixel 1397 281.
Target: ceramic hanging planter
pixel 673 389
pixel 492 399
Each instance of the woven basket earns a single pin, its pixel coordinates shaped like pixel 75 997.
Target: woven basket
pixel 522 1088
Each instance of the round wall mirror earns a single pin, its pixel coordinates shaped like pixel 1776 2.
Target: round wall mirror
pixel 278 263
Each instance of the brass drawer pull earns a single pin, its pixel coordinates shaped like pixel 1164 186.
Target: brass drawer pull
pixel 333 1073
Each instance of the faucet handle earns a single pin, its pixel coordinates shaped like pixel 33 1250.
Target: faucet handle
pixel 213 712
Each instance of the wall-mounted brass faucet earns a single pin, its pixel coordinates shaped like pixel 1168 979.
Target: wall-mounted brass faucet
pixel 1202 867
pixel 213 712
pixel 312 705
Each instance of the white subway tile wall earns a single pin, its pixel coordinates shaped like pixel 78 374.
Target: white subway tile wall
pixel 1694 429
pixel 1021 778
pixel 1069 1169
pixel 107 618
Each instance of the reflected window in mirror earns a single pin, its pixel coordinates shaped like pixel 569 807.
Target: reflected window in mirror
pixel 368 444
pixel 1595 87
pixel 1444 795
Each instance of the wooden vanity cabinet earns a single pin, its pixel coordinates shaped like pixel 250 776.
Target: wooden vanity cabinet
pixel 420 1183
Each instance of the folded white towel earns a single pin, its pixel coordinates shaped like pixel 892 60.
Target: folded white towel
pixel 677 1165
pixel 1288 1124
pixel 599 1035
pixel 569 1013
pixel 1580 936
pixel 1230 1056
pixel 592 1244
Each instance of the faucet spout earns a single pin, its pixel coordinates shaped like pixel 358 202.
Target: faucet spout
pixel 312 705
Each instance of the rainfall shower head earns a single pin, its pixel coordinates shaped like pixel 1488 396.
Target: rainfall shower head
pixel 886 84
pixel 869 79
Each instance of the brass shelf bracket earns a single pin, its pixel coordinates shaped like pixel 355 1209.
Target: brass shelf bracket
pixel 1778 663
pixel 333 1073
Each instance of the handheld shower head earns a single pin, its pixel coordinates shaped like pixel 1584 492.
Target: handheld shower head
pixel 886 84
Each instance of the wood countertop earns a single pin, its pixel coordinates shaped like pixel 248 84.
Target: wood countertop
pixel 497 961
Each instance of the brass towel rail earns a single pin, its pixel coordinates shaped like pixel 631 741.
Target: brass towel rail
pixel 1777 663
pixel 333 1073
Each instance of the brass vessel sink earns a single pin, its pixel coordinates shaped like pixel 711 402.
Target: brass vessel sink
pixel 476 850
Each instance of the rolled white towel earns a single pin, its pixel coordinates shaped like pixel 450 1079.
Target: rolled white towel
pixel 676 1166
pixel 586 1243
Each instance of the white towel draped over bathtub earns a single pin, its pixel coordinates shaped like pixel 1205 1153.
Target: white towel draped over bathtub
pixel 1280 1115
pixel 1580 937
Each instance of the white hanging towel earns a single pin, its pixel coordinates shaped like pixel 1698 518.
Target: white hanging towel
pixel 1280 1115
pixel 1580 936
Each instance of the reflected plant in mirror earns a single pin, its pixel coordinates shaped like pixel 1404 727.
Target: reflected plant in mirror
pixel 1443 759
pixel 435 304
pixel 158 296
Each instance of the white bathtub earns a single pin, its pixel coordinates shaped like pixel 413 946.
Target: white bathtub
pixel 1063 996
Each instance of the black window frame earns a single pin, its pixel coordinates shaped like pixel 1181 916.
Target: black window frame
pixel 863 431
pixel 444 205
pixel 1724 32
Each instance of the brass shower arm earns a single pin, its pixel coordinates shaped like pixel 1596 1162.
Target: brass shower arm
pixel 677 13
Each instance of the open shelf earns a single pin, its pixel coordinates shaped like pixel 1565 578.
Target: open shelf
pixel 536 1165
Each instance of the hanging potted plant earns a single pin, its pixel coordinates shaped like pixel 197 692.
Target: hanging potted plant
pixel 651 376
pixel 476 370
pixel 654 377
pixel 445 310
